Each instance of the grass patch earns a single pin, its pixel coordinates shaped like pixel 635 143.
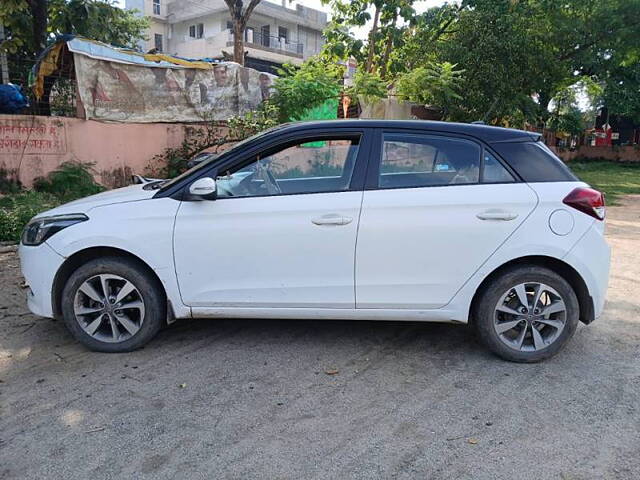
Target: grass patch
pixel 612 178
pixel 70 181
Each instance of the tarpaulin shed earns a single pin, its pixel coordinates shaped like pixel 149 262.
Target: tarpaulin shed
pixel 126 86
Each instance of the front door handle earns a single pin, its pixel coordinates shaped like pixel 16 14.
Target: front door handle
pixel 501 215
pixel 332 219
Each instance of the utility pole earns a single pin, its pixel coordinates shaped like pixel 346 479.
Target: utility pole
pixel 4 66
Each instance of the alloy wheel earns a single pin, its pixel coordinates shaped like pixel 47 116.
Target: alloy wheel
pixel 109 308
pixel 529 317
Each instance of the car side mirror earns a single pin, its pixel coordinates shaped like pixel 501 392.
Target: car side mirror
pixel 204 188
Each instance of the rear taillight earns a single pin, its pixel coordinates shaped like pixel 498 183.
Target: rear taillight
pixel 588 201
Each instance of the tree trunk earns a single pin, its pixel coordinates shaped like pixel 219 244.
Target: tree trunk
pixel 372 34
pixel 4 67
pixel 387 50
pixel 39 14
pixel 544 99
pixel 238 41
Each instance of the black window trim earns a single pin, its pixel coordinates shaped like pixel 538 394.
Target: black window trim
pixel 375 159
pixel 280 142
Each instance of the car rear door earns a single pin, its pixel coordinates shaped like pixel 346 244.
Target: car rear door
pixel 291 244
pixel 435 208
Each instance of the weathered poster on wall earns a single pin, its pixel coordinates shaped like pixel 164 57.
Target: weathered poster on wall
pixel 123 92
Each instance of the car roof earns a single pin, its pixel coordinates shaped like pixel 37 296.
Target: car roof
pixel 487 133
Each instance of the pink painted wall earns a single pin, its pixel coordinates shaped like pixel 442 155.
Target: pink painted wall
pixel 620 154
pixel 32 146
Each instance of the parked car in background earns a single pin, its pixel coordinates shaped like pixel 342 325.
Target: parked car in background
pixel 375 220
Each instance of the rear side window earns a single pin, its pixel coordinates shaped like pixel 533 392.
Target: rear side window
pixel 534 162
pixel 493 171
pixel 410 160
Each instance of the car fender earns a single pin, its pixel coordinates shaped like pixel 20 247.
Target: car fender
pixel 143 229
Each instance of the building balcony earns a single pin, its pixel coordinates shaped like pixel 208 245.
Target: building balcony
pixel 264 47
pixel 269 43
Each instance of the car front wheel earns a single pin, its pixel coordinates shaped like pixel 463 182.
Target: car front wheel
pixel 113 304
pixel 526 314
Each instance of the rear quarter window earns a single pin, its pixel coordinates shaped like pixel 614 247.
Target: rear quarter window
pixel 534 162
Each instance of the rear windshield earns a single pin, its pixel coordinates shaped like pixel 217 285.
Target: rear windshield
pixel 534 162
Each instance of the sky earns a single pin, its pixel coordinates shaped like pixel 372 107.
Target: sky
pixel 420 6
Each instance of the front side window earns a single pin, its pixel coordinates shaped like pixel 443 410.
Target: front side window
pixel 156 7
pixel 410 160
pixel 310 166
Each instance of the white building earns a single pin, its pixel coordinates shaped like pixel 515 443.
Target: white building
pixel 275 34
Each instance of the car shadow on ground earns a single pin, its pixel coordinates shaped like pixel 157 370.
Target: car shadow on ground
pixel 436 337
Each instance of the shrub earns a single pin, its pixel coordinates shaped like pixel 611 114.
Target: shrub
pixel 173 161
pixel 17 209
pixel 8 182
pixel 69 181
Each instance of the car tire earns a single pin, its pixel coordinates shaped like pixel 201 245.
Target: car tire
pixel 121 324
pixel 504 326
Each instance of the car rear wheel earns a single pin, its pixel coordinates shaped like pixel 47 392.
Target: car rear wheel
pixel 113 305
pixel 527 314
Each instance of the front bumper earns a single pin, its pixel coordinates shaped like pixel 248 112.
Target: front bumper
pixel 39 267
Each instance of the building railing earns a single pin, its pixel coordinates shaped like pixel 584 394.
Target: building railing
pixel 259 39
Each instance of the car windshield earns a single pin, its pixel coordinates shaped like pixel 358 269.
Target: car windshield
pixel 209 160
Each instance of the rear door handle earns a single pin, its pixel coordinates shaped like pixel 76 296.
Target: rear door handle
pixel 501 215
pixel 332 219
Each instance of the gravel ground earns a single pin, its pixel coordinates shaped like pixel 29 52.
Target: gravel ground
pixel 314 399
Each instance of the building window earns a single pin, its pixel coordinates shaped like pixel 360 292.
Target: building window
pixel 196 31
pixel 229 25
pixel 156 7
pixel 265 31
pixel 157 39
pixel 283 33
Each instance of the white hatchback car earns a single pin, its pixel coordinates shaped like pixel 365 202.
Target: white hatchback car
pixel 376 220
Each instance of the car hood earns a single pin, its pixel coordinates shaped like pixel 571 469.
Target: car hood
pixel 132 193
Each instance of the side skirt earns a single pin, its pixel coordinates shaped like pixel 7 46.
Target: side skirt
pixel 439 315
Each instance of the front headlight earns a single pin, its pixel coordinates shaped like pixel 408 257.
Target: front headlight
pixel 40 229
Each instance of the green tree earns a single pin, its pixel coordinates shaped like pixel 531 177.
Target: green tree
pixel 621 92
pixel 565 116
pixel 368 86
pixel 31 24
pixel 298 89
pixel 375 53
pixel 435 84
pixel 239 17
pixel 517 54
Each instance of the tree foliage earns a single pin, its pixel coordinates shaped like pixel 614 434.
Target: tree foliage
pixel 517 55
pixel 298 89
pixel 565 116
pixel 96 19
pixel 433 84
pixel 368 86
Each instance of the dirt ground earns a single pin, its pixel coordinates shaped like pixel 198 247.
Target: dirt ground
pixel 252 399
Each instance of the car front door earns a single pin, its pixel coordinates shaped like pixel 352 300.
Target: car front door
pixel 434 210
pixel 282 230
